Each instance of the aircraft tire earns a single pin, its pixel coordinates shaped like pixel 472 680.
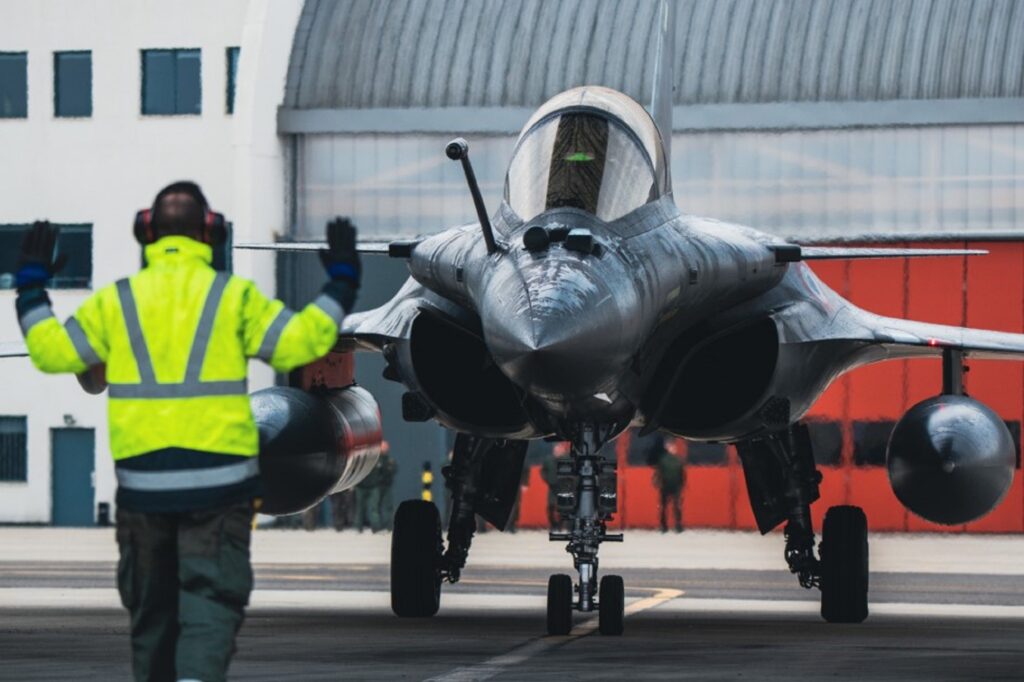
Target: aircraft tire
pixel 612 605
pixel 415 553
pixel 559 604
pixel 844 565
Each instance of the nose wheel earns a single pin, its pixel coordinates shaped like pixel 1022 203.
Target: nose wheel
pixel 587 499
pixel 560 604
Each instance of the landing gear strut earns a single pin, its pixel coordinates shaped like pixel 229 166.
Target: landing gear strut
pixel 782 482
pixel 587 498
pixel 483 479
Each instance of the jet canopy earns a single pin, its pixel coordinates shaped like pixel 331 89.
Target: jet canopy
pixel 593 149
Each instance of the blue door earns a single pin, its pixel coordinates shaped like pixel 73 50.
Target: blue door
pixel 74 457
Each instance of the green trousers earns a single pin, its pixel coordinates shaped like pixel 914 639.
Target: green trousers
pixel 368 508
pixel 185 579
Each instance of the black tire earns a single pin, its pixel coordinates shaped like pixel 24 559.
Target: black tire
pixel 611 605
pixel 844 565
pixel 415 558
pixel 559 604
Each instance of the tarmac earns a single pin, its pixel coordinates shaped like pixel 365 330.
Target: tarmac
pixel 700 605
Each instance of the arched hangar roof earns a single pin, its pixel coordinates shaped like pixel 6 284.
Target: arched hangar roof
pixel 358 54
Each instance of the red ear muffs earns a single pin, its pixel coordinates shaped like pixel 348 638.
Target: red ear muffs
pixel 144 227
pixel 214 227
pixel 215 230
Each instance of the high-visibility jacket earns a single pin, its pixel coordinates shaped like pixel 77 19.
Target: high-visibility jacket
pixel 176 339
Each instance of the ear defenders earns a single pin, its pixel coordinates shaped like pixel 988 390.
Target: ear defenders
pixel 214 230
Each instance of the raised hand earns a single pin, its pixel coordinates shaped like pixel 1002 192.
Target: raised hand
pixel 39 260
pixel 340 259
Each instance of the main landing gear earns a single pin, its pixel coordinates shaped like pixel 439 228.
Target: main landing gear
pixel 482 479
pixel 587 498
pixel 782 482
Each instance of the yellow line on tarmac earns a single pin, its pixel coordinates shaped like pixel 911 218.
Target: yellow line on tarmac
pixel 500 664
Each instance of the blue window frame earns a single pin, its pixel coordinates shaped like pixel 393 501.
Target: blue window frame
pixel 232 80
pixel 13 85
pixel 13 449
pixel 75 241
pixel 72 84
pixel 171 82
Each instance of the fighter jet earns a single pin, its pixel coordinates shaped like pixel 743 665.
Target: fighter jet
pixel 589 302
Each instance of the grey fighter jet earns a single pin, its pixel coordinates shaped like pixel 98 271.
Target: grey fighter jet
pixel 589 303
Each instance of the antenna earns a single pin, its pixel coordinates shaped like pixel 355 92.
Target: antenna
pixel 664 80
pixel 458 150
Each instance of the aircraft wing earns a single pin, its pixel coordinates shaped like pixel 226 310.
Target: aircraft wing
pixel 836 252
pixel 924 338
pixel 13 349
pixel 395 249
pixel 821 315
pixel 793 253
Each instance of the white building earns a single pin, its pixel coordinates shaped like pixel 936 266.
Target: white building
pixel 96 170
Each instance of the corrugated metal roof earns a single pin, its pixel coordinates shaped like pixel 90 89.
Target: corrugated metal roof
pixel 355 54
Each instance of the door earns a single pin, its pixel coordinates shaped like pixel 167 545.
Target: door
pixel 74 457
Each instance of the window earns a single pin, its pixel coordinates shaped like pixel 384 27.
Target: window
pixel 13 84
pixel 171 82
pixel 870 441
pixel 232 63
pixel 827 442
pixel 13 449
pixel 72 84
pixel 74 240
pixel 222 253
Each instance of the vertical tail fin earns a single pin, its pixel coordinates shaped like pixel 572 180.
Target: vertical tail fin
pixel 664 79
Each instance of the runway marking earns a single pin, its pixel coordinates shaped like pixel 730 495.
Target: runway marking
pixel 499 664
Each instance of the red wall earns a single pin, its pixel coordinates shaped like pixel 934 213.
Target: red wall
pixel 980 291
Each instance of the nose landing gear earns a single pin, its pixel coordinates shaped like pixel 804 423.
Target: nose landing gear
pixel 587 498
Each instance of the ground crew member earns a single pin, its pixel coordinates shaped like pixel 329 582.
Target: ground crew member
pixel 387 484
pixel 669 478
pixel 368 496
pixel 549 473
pixel 174 341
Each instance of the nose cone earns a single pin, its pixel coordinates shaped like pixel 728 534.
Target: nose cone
pixel 556 324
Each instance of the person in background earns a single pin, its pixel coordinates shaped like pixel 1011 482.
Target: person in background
pixel 387 484
pixel 368 495
pixel 171 345
pixel 549 473
pixel 669 478
pixel 341 509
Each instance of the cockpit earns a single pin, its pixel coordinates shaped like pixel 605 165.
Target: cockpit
pixel 579 152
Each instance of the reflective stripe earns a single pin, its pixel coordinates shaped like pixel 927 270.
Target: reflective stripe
pixel 192 387
pixel 188 479
pixel 331 307
pixel 185 390
pixel 33 317
pixel 81 343
pixel 273 335
pixel 135 337
pixel 204 328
